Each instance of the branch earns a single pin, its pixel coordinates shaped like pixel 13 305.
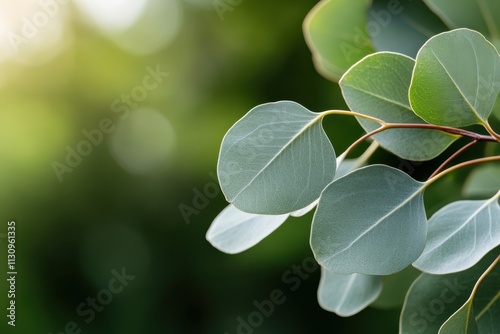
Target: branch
pixel 440 168
pixel 461 165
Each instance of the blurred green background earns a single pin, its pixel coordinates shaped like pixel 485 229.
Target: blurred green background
pixel 88 201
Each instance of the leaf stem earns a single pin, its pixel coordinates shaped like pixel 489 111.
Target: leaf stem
pixel 351 113
pixel 363 158
pixel 361 139
pixel 447 129
pixel 447 161
pixel 385 126
pixel 461 165
pixel 483 276
pixel 490 130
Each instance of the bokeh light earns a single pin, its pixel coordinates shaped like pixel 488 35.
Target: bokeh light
pixel 143 142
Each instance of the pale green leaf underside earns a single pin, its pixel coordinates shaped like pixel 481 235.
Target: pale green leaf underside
pixel 378 86
pixel 483 181
pixel 347 295
pixel 304 211
pixel 335 32
pixel 234 231
pixel 371 221
pixel 459 235
pixel 432 299
pixel 453 90
pixel 480 15
pixel 276 159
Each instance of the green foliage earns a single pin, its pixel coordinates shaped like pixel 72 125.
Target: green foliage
pixel 234 231
pixel 378 86
pixel 347 294
pixel 413 21
pixel 433 300
pixel 480 15
pixel 451 90
pixel 335 32
pixel 370 225
pixel 265 155
pixel 352 229
pixel 459 235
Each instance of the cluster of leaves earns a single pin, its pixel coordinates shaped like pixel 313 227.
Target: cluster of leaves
pixel 370 226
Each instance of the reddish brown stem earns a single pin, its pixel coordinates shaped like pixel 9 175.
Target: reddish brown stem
pixel 440 168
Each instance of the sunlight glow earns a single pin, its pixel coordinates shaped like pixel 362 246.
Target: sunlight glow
pixel 31 32
pixel 112 15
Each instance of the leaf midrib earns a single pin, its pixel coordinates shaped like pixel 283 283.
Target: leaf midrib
pixel 378 222
pixel 381 97
pixel 466 222
pixel 288 144
pixel 457 87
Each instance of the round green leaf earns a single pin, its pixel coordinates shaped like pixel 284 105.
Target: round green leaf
pixel 371 221
pixel 234 231
pixel 378 86
pixel 459 235
pixel 347 295
pixel 276 159
pixel 456 79
pixel 335 31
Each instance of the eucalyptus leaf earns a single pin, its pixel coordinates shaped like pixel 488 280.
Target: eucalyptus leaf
pixel 456 91
pixel 480 15
pixel 371 221
pixel 336 33
pixel 234 231
pixel 483 298
pixel 487 301
pixel 483 181
pixel 276 159
pixel 459 235
pixel 306 210
pixel 432 299
pixel 402 26
pixel 326 69
pixel 460 322
pixel 378 86
pixel 347 295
